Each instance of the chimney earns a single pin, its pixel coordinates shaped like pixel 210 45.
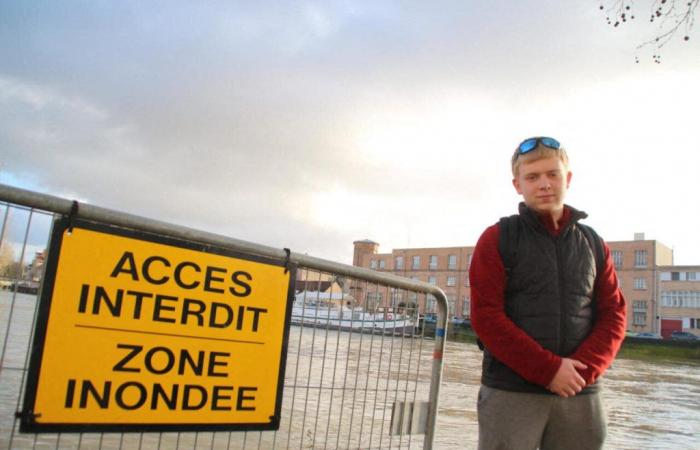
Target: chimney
pixel 362 248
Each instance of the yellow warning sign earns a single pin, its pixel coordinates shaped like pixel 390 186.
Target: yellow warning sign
pixel 145 333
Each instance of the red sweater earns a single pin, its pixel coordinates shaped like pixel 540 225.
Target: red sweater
pixel 513 346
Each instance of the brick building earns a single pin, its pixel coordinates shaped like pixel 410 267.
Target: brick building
pixel 678 290
pixel 637 264
pixel 447 267
pixel 656 295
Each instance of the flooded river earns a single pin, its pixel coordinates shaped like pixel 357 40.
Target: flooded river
pixel 649 405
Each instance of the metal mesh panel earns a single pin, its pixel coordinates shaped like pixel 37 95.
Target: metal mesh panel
pixel 23 238
pixel 341 385
pixel 355 349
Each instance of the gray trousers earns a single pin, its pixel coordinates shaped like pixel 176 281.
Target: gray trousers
pixel 523 421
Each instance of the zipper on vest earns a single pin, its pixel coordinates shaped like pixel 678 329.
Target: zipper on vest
pixel 562 301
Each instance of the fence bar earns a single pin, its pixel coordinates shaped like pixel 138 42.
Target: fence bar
pixel 93 213
pixel 104 215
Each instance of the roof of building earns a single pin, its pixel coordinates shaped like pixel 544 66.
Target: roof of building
pixel 312 285
pixel 309 296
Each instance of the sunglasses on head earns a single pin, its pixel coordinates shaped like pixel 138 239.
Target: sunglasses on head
pixel 530 144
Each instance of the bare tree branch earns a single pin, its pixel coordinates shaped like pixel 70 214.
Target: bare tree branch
pixel 672 16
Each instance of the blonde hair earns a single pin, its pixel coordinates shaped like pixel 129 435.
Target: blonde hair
pixel 541 152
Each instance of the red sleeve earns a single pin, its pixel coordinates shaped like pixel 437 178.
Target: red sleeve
pixel 507 342
pixel 601 346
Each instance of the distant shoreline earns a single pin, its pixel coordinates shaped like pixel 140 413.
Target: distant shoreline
pixel 632 348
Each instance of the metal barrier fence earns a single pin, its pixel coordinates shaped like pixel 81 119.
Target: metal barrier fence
pixel 363 389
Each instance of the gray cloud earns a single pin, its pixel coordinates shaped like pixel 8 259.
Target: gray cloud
pixel 305 125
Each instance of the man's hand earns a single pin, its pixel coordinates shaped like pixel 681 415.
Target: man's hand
pixel 567 382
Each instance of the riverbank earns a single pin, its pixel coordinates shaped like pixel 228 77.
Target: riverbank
pixel 632 348
pixel 655 350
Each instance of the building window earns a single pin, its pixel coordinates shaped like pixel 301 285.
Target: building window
pixel 666 299
pixel 469 261
pixel 382 264
pixel 640 258
pixel 373 264
pixel 451 280
pixel 416 262
pixel 679 276
pixel 640 283
pixel 466 281
pixel 399 262
pixel 432 280
pixel 639 319
pixel 617 258
pixel 396 297
pixel 374 299
pixel 433 262
pixel 465 306
pixel 413 296
pixel 639 305
pixel 430 304
pixel 451 305
pixel 452 262
pixel 680 299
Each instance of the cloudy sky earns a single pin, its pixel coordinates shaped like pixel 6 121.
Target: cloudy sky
pixel 312 124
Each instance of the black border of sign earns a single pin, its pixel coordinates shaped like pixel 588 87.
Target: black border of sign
pixel 28 414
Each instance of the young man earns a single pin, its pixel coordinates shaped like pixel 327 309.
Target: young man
pixel 549 313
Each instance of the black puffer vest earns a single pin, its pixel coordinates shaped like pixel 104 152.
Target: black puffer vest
pixel 549 293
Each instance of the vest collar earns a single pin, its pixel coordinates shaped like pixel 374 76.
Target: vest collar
pixel 534 219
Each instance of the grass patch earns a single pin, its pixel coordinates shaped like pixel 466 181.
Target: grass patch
pixel 646 350
pixel 656 351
